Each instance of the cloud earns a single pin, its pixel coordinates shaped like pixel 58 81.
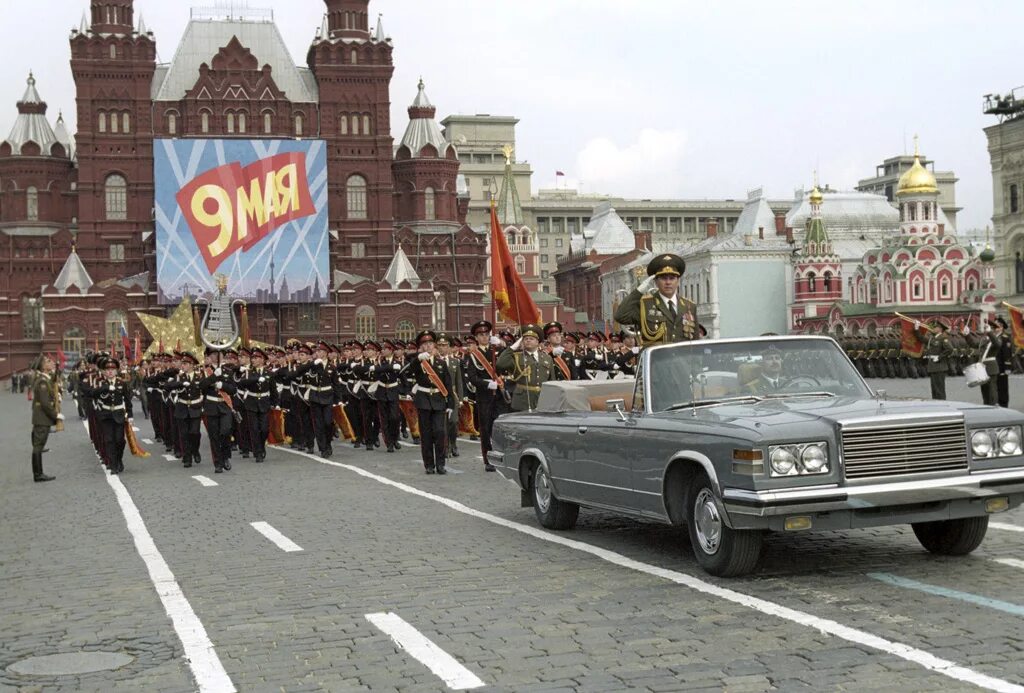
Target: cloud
pixel 651 166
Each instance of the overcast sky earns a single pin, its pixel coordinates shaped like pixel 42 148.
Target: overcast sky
pixel 655 98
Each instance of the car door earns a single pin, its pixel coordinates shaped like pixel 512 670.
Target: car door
pixel 601 464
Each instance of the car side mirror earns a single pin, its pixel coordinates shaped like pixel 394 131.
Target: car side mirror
pixel 617 406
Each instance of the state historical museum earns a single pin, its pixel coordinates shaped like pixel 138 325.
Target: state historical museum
pixel 79 217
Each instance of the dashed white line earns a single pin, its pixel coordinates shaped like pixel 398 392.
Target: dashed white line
pixel 419 646
pixel 169 457
pixel 1005 526
pixel 282 542
pixel 205 480
pixel 1012 562
pixel 147 441
pixel 199 653
pixel 824 625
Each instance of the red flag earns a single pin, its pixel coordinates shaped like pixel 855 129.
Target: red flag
pixel 910 340
pixel 138 348
pixel 508 292
pixel 1016 325
pixel 62 358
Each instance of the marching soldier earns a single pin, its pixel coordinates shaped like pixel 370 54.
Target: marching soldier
pixel 629 356
pixel 937 352
pixel 595 359
pixel 454 366
pixel 44 414
pixel 188 408
pixel 1004 357
pixel 259 384
pixel 434 398
pixel 218 411
pixel 491 396
pixel 528 366
pixel 318 385
pixel 655 308
pixel 386 374
pixel 112 401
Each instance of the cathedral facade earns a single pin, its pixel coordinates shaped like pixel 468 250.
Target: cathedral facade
pixel 77 214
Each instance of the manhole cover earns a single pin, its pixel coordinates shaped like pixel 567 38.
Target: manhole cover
pixel 70 663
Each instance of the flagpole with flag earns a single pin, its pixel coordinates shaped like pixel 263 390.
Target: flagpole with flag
pixel 1016 325
pixel 508 292
pixel 910 337
pixel 125 342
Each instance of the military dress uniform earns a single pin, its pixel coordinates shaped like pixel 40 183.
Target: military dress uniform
pixel 454 366
pixel 218 411
pixel 386 376
pixel 659 319
pixel 937 352
pixel 112 401
pixel 490 392
pixel 318 384
pixel 188 411
pixel 260 387
pixel 44 415
pixel 434 398
pixel 527 370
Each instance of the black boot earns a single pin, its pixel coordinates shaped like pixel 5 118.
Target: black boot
pixel 37 468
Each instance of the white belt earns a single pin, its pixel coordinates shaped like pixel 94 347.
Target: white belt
pixel 428 390
pixel 259 395
pixel 119 407
pixel 191 401
pixel 211 398
pixel 324 388
pixel 387 384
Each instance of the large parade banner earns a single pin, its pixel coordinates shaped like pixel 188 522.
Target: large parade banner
pixel 253 211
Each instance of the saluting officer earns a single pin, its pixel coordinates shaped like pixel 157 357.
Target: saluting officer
pixel 655 308
pixel 937 353
pixel 528 366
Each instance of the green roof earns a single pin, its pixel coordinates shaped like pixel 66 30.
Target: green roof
pixel 816 232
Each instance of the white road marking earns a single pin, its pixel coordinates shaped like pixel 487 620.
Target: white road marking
pixel 282 542
pixel 199 653
pixel 136 429
pixel 169 457
pixel 824 625
pixel 1007 527
pixel 1012 562
pixel 147 441
pixel 444 666
pixel 205 480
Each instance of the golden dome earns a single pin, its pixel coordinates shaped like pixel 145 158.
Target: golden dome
pixel 816 196
pixel 917 179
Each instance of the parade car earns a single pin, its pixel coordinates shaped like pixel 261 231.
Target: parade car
pixel 738 437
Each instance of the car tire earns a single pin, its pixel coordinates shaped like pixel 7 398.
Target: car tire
pixel 720 550
pixel 551 512
pixel 952 537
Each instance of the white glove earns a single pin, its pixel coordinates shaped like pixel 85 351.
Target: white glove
pixel 217 372
pixel 60 417
pixel 635 350
pixel 262 380
pixel 448 413
pixel 492 385
pixel 517 344
pixel 967 330
pixel 112 388
pixel 558 351
pixel 578 363
pixel 495 340
pixel 219 384
pixel 318 362
pixel 397 366
pixel 373 368
pixel 917 324
pixel 423 356
pixel 130 419
pixel 615 367
pixel 646 285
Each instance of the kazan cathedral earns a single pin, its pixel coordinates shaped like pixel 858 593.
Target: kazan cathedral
pixel 77 234
pixel 921 271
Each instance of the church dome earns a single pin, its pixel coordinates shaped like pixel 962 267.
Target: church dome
pixel 917 179
pixel 987 255
pixel 816 196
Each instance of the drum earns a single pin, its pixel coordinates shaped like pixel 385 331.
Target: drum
pixel 975 375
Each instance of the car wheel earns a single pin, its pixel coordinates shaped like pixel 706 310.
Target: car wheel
pixel 551 512
pixel 719 550
pixel 952 537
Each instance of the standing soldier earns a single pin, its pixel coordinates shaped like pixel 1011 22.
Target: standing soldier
pixel 528 366
pixel 1004 357
pixel 565 366
pixel 44 414
pixel 937 352
pixel 218 411
pixel 454 366
pixel 434 398
pixel 386 375
pixel 318 384
pixel 259 384
pixel 492 399
pixel 655 308
pixel 629 357
pixel 112 400
pixel 188 408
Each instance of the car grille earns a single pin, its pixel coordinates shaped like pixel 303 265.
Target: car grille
pixel 904 448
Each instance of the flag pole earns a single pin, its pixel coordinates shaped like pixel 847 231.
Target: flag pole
pixel 904 317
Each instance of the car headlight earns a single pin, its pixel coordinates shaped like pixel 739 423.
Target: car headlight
pixel 783 462
pixel 798 459
pixel 813 459
pixel 1009 441
pixel 981 444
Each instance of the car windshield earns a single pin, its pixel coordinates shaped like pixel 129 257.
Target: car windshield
pixel 716 372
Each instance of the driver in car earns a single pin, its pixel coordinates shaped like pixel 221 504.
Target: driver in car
pixel 770 379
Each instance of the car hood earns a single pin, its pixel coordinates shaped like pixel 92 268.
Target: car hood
pixel 783 417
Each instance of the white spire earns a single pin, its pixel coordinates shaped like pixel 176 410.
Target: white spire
pixel 83 28
pixel 401 270
pixel 31 95
pixel 142 25
pixel 73 274
pixel 379 36
pixel 325 30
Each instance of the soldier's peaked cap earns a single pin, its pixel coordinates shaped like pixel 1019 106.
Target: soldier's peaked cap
pixel 189 358
pixel 481 326
pixel 256 351
pixel 425 336
pixel 109 362
pixel 666 264
pixel 531 331
pixel 553 326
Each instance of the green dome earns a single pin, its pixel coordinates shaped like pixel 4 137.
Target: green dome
pixel 987 255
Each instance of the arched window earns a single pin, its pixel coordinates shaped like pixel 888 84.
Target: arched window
pixel 112 324
pixel 102 125
pixel 298 125
pixel 355 125
pixel 356 197
pixel 440 311
pixel 32 317
pixel 429 203
pixel 116 193
pixel 827 281
pixel 126 122
pixel 172 124
pixel 343 125
pixel 366 125
pixel 73 343
pixel 231 123
pixel 113 52
pixel 811 282
pixel 114 123
pixel 32 204
pixel 366 323
pixel 520 264
pixel 917 287
pixel 912 209
pixel 945 289
pixel 1014 201
pixel 204 122
pixel 241 123
pixel 355 57
pixel 405 330
pixel 268 123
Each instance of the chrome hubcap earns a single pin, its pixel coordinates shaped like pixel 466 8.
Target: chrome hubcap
pixel 542 490
pixel 707 522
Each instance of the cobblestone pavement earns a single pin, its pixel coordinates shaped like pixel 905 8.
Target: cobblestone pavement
pixel 519 612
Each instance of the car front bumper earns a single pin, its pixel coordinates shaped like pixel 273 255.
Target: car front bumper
pixel 875 504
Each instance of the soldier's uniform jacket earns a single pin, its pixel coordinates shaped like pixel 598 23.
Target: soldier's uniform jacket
pixel 650 315
pixel 565 366
pixel 478 375
pixel 259 384
pixel 425 393
pixel 188 395
pixel 386 374
pixel 528 373
pixel 627 361
pixel 112 399
pixel 44 400
pixel 316 384
pixel 213 403
pixel 454 365
pixel 937 353
pixel 361 375
pixel 593 362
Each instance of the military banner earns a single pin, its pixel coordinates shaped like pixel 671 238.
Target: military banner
pixel 253 211
pixel 1016 325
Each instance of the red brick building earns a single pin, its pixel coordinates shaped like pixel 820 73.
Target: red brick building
pixel 82 210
